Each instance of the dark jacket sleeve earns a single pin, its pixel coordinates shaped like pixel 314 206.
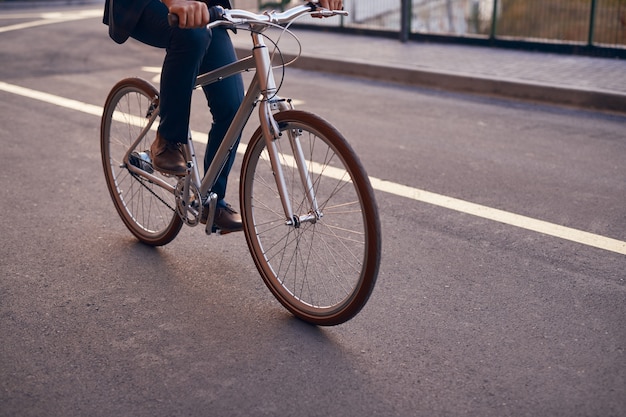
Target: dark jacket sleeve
pixel 122 16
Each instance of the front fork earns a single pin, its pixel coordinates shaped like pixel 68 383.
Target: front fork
pixel 271 133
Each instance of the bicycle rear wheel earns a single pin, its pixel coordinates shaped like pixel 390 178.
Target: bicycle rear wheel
pixel 323 270
pixel 146 209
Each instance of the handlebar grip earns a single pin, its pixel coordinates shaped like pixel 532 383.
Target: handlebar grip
pixel 172 20
pixel 215 13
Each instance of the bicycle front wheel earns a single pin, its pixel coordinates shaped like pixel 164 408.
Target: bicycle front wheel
pixel 323 268
pixel 147 209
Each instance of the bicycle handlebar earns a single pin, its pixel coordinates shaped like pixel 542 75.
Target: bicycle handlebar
pixel 219 16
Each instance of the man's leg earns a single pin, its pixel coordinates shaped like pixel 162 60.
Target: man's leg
pixel 224 98
pixel 185 49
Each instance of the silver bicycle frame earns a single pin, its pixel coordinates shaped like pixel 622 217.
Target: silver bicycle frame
pixel 262 91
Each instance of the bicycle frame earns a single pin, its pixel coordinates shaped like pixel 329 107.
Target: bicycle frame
pixel 262 92
pixel 322 267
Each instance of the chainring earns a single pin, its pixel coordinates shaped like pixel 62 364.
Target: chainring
pixel 189 211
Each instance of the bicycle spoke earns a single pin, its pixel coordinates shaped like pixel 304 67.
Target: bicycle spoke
pixel 317 269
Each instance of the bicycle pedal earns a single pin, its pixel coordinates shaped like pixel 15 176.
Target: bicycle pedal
pixel 141 160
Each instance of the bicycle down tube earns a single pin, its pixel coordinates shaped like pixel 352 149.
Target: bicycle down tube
pixel 263 84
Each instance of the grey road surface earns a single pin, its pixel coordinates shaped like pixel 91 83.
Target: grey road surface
pixel 470 316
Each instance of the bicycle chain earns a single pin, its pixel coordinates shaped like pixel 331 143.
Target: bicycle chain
pixel 141 181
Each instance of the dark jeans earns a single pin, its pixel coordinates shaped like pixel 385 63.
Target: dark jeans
pixel 188 53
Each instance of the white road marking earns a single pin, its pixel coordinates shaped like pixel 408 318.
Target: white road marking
pixel 502 216
pixel 153 70
pixel 523 222
pixel 49 18
pixel 67 103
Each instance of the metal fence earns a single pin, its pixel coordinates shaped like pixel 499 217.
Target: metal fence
pixel 577 26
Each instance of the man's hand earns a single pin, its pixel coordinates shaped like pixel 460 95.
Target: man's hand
pixel 332 4
pixel 191 14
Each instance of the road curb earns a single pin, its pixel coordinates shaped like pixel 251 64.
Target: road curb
pixel 466 83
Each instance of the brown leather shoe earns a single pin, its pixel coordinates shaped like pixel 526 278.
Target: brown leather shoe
pixel 227 220
pixel 168 158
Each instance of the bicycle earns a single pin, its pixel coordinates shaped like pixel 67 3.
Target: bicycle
pixel 308 209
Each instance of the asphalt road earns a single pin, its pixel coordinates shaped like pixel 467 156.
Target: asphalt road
pixel 470 316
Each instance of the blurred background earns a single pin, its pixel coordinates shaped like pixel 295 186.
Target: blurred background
pixel 574 26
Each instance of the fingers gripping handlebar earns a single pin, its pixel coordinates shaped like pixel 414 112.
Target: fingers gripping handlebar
pixel 215 14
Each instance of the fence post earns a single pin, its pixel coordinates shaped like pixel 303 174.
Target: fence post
pixel 405 20
pixel 592 23
pixel 494 19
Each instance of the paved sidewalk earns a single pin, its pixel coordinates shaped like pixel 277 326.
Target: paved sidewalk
pixel 595 83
